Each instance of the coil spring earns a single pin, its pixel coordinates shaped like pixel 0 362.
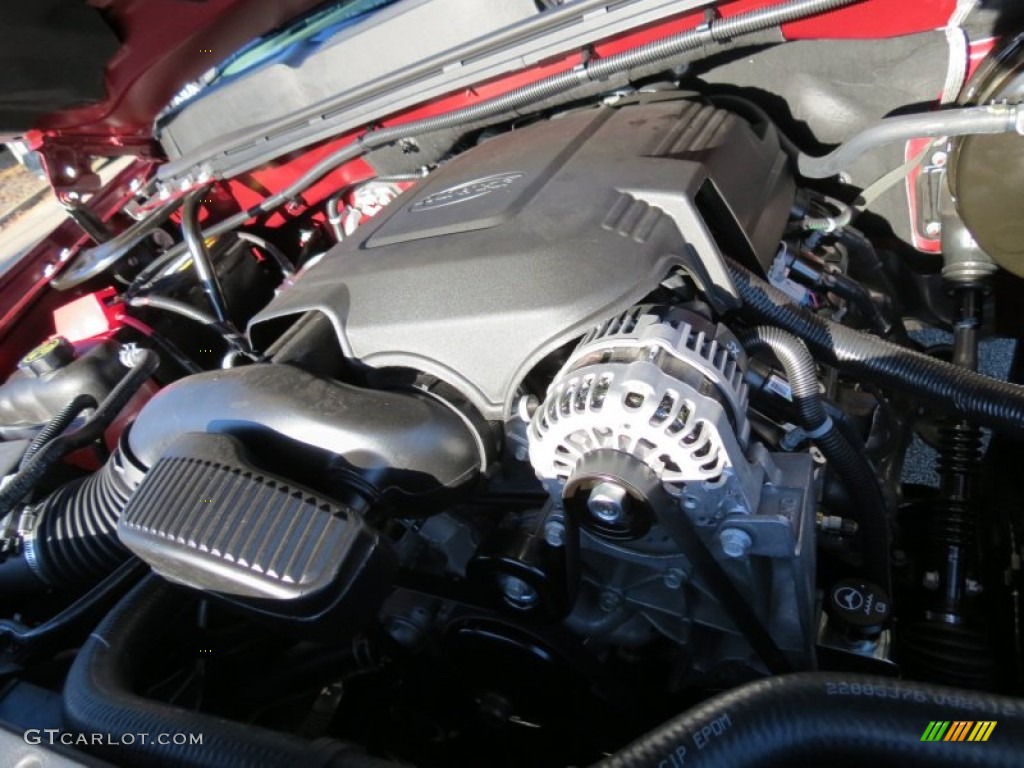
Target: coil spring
pixel 954 654
pixel 952 524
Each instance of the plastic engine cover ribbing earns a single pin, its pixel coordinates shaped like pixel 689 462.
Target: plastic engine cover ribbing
pixel 526 241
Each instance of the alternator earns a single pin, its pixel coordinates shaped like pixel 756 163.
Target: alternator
pixel 664 386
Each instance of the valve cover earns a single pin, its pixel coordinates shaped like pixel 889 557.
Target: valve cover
pixel 530 239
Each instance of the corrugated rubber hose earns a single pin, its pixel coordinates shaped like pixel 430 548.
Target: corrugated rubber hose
pixel 959 391
pixel 831 719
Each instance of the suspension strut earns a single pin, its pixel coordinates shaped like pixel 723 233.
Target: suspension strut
pixel 953 522
pixel 947 644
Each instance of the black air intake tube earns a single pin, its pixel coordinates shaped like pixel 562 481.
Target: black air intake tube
pixel 70 540
pixel 74 543
pixel 815 719
pixel 973 396
pixel 99 697
pixel 76 540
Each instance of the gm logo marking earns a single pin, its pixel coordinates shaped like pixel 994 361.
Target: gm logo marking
pixel 466 191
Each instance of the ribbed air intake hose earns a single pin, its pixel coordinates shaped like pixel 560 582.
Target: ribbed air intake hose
pixel 851 466
pixel 75 542
pixel 816 719
pixel 406 448
pixel 99 697
pixel 69 541
pixel 973 396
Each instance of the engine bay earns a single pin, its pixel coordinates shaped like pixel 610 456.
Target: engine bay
pixel 511 449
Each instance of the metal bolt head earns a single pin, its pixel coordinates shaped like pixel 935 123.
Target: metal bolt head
pixel 554 533
pixel 673 578
pixel 517 592
pixel 933 228
pixel 130 354
pixel 931 580
pixel 736 543
pixel 608 503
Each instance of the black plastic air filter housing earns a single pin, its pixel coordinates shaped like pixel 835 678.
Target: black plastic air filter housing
pixel 528 240
pixel 206 518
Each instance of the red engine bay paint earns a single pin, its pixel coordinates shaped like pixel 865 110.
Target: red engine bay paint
pixel 89 317
pixel 122 122
pixel 167 43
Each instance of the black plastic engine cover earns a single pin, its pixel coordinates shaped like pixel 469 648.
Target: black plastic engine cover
pixel 204 517
pixel 526 241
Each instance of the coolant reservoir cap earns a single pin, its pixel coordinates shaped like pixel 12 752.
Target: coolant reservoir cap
pixel 858 607
pixel 49 356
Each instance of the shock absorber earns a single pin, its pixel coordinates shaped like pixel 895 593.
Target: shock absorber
pixel 947 644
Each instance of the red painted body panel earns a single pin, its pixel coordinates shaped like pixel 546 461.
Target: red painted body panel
pixel 875 19
pixel 167 43
pixel 164 48
pixel 25 300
